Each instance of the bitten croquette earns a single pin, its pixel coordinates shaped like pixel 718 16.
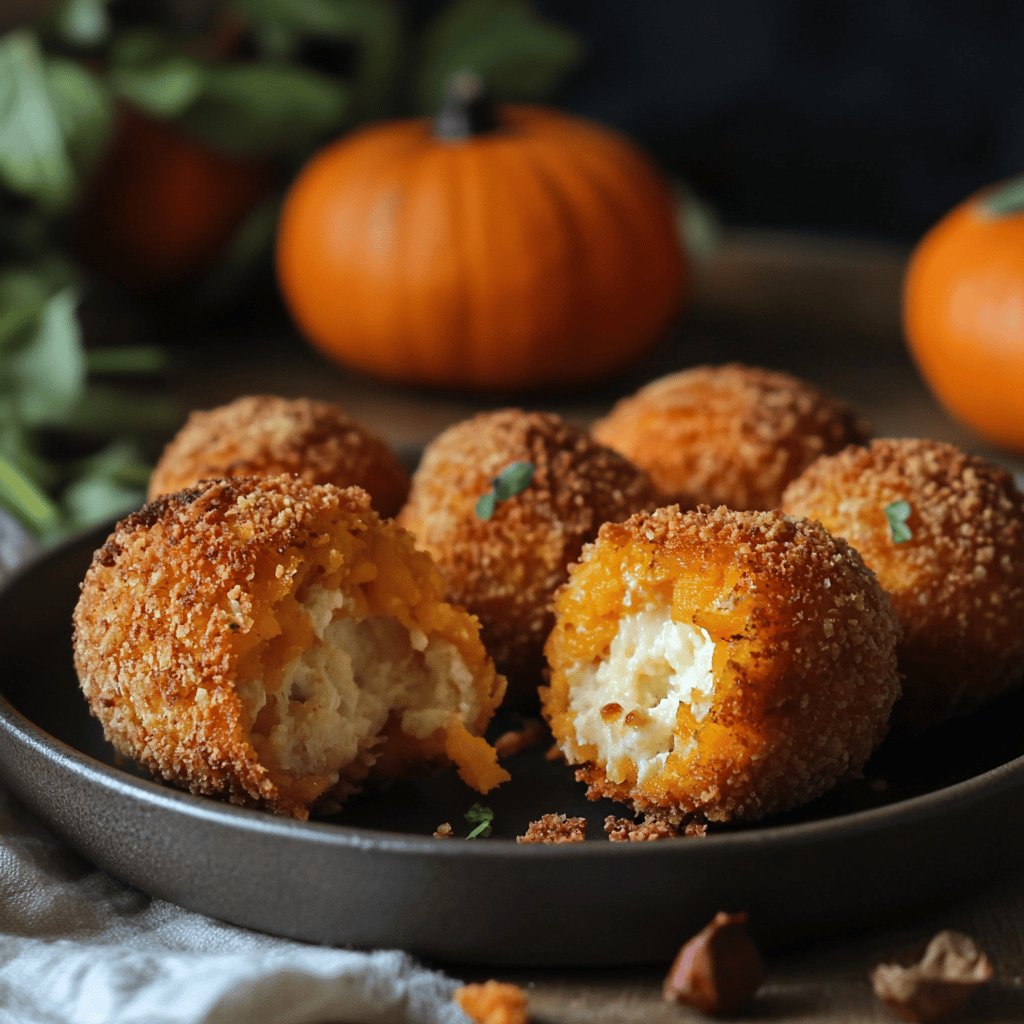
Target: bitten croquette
pixel 263 435
pixel 952 562
pixel 276 643
pixel 719 665
pixel 728 435
pixel 505 569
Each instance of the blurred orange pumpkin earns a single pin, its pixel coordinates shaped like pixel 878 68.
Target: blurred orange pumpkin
pixel 164 205
pixel 964 312
pixel 496 248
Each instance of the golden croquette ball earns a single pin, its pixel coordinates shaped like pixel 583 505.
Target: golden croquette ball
pixel 275 643
pixel 719 665
pixel 505 569
pixel 728 435
pixel 263 435
pixel 944 533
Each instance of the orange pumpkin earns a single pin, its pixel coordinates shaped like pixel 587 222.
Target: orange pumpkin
pixel 964 312
pixel 493 248
pixel 164 205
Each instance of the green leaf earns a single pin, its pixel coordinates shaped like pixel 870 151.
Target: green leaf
pixel 20 495
pixel 248 248
pixel 24 292
pixel 121 460
pixel 126 359
pixel 150 72
pixel 1007 199
pixel 95 499
pixel 17 445
pixel 513 480
pixel 267 109
pixel 23 295
pixel 897 513
pixel 486 505
pixel 84 110
pixel 518 54
pixel 108 411
pixel 34 160
pixel 374 26
pixel 49 372
pixel 482 817
pixel 83 22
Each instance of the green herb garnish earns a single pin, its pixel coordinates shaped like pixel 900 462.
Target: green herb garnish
pixel 512 480
pixel 481 817
pixel 897 513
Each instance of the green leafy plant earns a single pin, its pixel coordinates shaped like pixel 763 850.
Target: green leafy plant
pixel 270 80
pixel 52 388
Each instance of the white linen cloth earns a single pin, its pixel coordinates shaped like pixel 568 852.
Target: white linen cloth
pixel 78 947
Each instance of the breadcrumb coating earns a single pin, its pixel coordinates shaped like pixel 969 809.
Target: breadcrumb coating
pixel 555 828
pixel 263 435
pixel 728 435
pixel 796 689
pixel 506 569
pixel 274 643
pixel 957 583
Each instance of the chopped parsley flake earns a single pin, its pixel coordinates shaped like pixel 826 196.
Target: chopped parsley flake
pixel 512 480
pixel 481 817
pixel 897 513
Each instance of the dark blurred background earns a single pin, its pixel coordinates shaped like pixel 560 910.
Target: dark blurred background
pixel 867 118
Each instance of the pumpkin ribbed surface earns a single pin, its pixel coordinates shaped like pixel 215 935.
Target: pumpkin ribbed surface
pixel 542 253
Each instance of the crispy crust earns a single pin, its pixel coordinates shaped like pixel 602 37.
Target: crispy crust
pixel 957 585
pixel 804 664
pixel 263 435
pixel 731 435
pixel 506 569
pixel 202 589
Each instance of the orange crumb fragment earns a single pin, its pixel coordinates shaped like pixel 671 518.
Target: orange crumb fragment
pixel 493 1002
pixel 515 741
pixel 475 759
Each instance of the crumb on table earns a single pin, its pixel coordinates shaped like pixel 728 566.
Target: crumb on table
pixel 444 830
pixel 493 1002
pixel 555 828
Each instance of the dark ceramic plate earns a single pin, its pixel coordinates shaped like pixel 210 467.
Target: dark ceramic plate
pixel 933 818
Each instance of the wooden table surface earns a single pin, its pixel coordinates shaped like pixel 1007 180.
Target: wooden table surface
pixel 829 311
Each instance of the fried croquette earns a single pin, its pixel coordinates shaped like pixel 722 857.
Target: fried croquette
pixel 276 643
pixel 944 533
pixel 505 569
pixel 263 435
pixel 728 435
pixel 719 665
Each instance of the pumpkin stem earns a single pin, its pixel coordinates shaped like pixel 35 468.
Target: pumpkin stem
pixel 467 110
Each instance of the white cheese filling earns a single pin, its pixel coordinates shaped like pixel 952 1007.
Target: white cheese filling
pixel 627 705
pixel 336 697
